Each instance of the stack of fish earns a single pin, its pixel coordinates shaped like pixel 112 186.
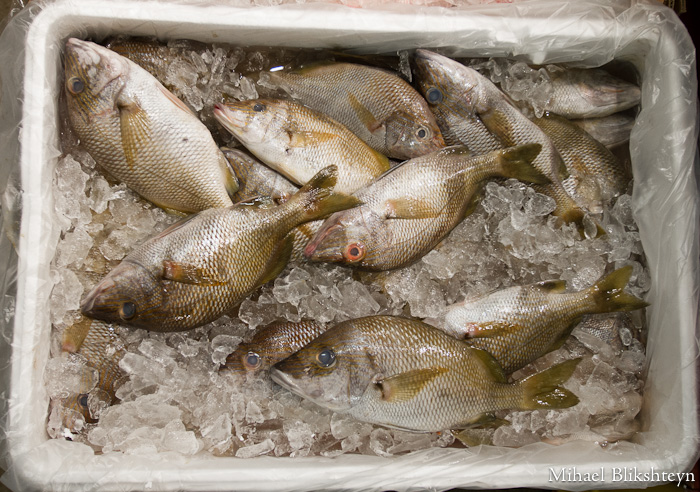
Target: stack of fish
pixel 332 144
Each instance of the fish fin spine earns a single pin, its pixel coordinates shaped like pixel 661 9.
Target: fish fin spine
pixel 318 198
pixel 405 386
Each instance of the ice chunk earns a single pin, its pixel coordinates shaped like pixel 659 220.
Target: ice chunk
pixel 256 449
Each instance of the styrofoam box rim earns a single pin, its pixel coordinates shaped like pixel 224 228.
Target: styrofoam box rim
pixel 328 26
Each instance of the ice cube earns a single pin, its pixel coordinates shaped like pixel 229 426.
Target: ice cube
pixel 254 450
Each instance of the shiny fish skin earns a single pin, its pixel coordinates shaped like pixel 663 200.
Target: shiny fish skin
pixel 141 134
pixel 103 349
pixel 509 126
pixel 298 142
pixel 376 105
pixel 256 179
pixel 405 374
pixel 203 266
pixel 595 174
pixel 272 344
pixel 519 324
pixel 590 93
pixel 409 210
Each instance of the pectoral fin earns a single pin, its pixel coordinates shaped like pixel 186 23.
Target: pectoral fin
pixel 187 274
pixel 308 139
pixel 135 127
pixel 486 330
pixel 177 102
pixel 410 208
pixel 365 115
pixel 404 386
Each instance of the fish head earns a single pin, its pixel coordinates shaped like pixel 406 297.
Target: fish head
pixel 447 86
pixel 129 294
pixel 333 370
pixel 407 137
pixel 94 76
pixel 247 359
pixel 353 238
pixel 254 121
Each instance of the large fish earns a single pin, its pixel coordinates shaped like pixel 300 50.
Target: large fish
pixel 271 344
pixel 519 324
pixel 102 348
pixel 410 209
pixel 203 266
pixel 298 142
pixel 438 74
pixel 404 374
pixel 376 105
pixel 141 134
pixel 595 174
pixel 589 93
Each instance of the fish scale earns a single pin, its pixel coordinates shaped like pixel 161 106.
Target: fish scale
pixel 141 134
pixel 402 373
pixel 378 106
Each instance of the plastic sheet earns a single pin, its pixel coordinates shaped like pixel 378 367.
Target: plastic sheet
pixel 587 34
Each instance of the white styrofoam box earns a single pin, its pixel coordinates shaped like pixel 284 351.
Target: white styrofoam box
pixel 665 202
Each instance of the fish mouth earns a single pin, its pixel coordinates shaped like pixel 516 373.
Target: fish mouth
pixel 89 306
pixel 310 251
pixel 231 120
pixel 286 381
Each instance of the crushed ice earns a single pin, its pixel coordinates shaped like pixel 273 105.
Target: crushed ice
pixel 174 399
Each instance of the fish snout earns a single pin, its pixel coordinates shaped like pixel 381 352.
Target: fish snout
pixel 229 118
pixel 91 304
pixel 312 250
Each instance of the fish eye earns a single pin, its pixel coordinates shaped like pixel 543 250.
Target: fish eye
pixel 326 358
pixel 422 133
pixel 354 252
pixel 259 107
pixel 76 86
pixel 83 400
pixel 252 360
pixel 433 95
pixel 127 311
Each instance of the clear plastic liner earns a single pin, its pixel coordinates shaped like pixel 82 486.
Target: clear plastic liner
pixel 589 33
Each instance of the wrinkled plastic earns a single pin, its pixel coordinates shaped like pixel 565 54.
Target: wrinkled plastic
pixel 587 33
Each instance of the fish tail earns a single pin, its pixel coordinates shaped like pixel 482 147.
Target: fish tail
pixel 571 213
pixel 318 199
pixel 543 390
pixel 516 162
pixel 608 293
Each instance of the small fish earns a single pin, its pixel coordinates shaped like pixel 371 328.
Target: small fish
pixel 595 174
pixel 519 324
pixel 409 210
pixel 102 348
pixel 376 105
pixel 501 118
pixel 141 134
pixel 204 265
pixel 271 344
pixel 298 142
pixel 405 374
pixel 609 130
pixel 590 93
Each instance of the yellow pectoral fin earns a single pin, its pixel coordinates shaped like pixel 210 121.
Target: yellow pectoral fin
pixel 500 125
pixel 135 125
pixel 485 330
pixel 187 274
pixel 365 115
pixel 410 208
pixel 404 386
pixel 177 102
pixel 308 138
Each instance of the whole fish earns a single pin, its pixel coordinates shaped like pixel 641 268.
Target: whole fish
pixel 519 324
pixel 102 348
pixel 438 75
pixel 405 374
pixel 376 105
pixel 409 210
pixel 141 134
pixel 204 265
pixel 589 93
pixel 609 130
pixel 595 175
pixel 298 142
pixel 271 344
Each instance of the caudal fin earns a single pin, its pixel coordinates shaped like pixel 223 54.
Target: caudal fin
pixel 318 199
pixel 609 295
pixel 516 162
pixel 543 390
